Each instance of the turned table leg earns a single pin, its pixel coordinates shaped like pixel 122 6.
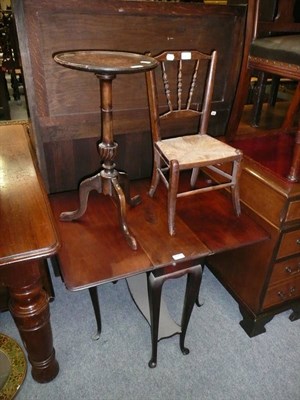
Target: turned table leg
pixel 30 310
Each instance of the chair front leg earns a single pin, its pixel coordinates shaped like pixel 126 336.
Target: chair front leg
pixel 293 109
pixel 235 189
pixel 172 195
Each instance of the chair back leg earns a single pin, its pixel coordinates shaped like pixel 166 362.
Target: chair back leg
pixel 155 174
pixel 172 195
pixel 194 177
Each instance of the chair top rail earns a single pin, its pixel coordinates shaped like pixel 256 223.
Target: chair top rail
pixel 283 22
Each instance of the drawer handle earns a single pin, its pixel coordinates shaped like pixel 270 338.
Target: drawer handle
pixel 291 271
pixel 284 295
pixel 298 241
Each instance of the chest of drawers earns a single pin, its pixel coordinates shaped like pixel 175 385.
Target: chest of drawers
pixel 265 278
pixel 284 283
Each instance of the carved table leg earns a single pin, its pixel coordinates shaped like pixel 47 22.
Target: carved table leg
pixel 124 183
pixel 121 206
pixel 86 186
pixel 30 310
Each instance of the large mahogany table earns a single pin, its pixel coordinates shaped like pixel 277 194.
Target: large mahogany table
pixel 28 236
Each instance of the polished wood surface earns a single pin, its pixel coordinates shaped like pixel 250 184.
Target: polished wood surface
pixel 105 62
pixel 28 232
pixel 64 105
pixel 85 260
pixel 28 236
pixel 82 251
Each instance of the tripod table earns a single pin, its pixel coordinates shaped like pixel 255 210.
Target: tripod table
pixel 106 65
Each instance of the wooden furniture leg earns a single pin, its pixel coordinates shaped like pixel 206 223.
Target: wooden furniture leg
pixel 194 278
pixel 259 93
pixel 30 310
pixel 292 110
pixel 96 306
pixel 155 283
pixel 295 315
pixel 254 325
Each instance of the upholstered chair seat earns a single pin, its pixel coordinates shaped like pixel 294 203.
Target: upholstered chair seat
pixel 283 48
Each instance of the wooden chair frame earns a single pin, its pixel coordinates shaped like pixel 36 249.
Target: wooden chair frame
pixel 193 151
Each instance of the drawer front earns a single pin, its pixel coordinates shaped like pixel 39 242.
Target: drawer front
pixel 293 211
pixel 261 197
pixel 290 244
pixel 285 270
pixel 279 294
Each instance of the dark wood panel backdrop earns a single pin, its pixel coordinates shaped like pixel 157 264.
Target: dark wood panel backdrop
pixel 64 104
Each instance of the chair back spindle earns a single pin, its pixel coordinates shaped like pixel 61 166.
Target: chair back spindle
pixel 188 93
pixel 193 84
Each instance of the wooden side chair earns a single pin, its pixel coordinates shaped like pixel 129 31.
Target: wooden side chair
pixel 182 90
pixel 271 47
pixel 267 12
pixel 273 51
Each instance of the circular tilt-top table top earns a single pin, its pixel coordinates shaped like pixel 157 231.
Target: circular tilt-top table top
pixel 105 62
